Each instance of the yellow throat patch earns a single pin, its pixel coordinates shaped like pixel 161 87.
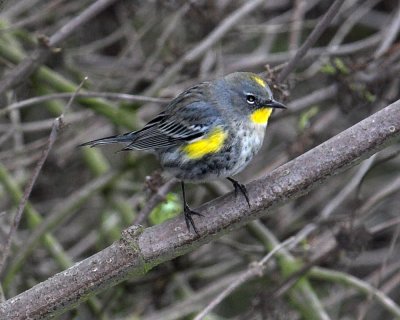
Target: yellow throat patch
pixel 211 143
pixel 261 116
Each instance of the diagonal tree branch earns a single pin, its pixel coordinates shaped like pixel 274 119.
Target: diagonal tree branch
pixel 140 249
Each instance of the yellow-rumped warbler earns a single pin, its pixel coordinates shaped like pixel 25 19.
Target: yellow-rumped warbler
pixel 211 130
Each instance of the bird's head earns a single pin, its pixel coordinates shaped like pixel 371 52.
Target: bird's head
pixel 251 96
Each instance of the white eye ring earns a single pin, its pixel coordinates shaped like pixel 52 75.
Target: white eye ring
pixel 250 99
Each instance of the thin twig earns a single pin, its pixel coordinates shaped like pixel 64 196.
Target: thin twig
pixel 337 39
pixel 62 212
pixel 312 38
pixel 340 197
pixel 388 190
pixel 346 191
pixel 46 124
pixel 296 24
pixel 364 287
pixel 173 22
pixel 227 24
pixel 57 125
pixel 303 294
pixel 17 8
pixel 26 67
pixel 384 225
pixel 313 98
pixel 260 59
pixel 363 309
pixel 105 95
pixel 254 270
pixel 2 297
pixel 6 136
pixel 296 276
pixel 389 35
pixel 193 302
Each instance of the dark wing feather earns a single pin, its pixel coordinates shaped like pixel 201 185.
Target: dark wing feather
pixel 180 130
pixel 164 135
pixel 187 117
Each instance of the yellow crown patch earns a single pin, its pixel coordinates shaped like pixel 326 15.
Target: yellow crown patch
pixel 260 81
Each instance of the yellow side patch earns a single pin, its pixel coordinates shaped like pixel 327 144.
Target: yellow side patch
pixel 261 116
pixel 211 143
pixel 260 81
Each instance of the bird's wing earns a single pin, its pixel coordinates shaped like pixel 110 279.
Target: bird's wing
pixel 189 116
pixel 165 134
pixel 186 118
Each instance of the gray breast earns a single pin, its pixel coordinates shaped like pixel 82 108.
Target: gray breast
pixel 251 139
pixel 240 148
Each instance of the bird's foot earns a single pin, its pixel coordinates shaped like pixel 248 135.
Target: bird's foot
pixel 240 187
pixel 189 219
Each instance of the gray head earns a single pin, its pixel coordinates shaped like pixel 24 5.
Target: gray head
pixel 248 94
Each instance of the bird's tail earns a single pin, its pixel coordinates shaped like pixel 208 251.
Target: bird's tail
pixel 127 137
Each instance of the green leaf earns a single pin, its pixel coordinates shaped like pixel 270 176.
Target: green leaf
pixel 340 65
pixel 305 117
pixel 370 97
pixel 168 209
pixel 328 68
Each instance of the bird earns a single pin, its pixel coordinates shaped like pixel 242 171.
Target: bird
pixel 210 131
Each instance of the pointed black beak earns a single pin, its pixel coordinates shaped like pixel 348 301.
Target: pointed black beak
pixel 275 104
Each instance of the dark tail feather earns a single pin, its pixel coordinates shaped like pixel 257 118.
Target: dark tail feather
pixel 127 137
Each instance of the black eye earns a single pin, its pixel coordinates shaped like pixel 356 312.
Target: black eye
pixel 250 99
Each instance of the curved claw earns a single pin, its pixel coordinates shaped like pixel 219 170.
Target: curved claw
pixel 240 187
pixel 188 218
pixel 189 212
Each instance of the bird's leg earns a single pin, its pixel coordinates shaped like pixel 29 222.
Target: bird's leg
pixel 240 187
pixel 189 212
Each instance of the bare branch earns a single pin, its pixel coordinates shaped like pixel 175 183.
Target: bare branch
pixel 296 24
pixel 390 34
pixel 312 38
pixel 227 24
pixel 57 124
pixel 105 95
pixel 364 287
pixel 139 250
pixel 347 190
pixel 254 270
pixel 29 64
